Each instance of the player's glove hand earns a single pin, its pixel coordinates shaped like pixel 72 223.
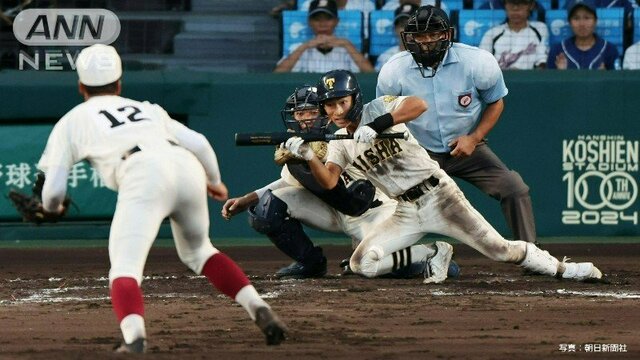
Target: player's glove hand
pixel 365 134
pixel 31 209
pixel 282 156
pixel 298 148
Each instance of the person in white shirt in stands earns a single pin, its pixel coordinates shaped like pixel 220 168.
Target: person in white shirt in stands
pixel 632 57
pixel 325 51
pixel 518 43
pixel 400 18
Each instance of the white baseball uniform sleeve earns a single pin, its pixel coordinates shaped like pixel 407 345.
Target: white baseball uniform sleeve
pixel 196 143
pixel 278 184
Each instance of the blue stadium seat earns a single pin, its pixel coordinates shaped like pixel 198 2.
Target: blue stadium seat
pixel 295 29
pixel 546 4
pixel 381 35
pixel 472 24
pixel 636 25
pixel 610 26
pixel 454 4
pixel 477 4
pixel 558 26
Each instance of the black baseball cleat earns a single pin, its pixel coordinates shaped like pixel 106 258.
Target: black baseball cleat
pixel 272 327
pixel 138 346
pixel 299 270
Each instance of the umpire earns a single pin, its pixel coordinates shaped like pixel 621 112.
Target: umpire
pixel 456 80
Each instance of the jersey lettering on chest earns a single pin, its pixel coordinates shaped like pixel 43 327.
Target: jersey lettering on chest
pixel 347 179
pixel 133 116
pixel 377 153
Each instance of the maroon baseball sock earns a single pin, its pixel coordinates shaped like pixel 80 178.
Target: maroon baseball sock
pixel 225 274
pixel 126 297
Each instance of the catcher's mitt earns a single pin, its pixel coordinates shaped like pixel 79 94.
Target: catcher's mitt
pixel 30 207
pixel 283 156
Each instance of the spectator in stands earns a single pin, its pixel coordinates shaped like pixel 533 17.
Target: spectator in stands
pixel 394 4
pixel 400 18
pixel 325 52
pixel 364 6
pixel 538 10
pixel 632 57
pixel 585 49
pixel 518 43
pixel 627 5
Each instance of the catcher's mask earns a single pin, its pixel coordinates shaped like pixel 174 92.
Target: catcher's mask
pixel 298 111
pixel 433 21
pixel 337 84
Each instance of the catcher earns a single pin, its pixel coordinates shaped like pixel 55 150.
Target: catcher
pixel 31 208
pixel 352 207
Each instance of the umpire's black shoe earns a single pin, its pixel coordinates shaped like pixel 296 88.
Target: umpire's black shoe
pixel 273 328
pixel 138 346
pixel 299 270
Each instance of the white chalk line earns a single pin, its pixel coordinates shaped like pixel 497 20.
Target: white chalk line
pixel 63 294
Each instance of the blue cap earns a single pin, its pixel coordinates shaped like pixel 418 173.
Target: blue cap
pixel 573 5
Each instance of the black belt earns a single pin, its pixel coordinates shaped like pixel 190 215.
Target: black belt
pixel 136 148
pixel 420 189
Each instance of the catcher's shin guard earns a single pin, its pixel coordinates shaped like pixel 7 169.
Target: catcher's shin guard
pixel 270 217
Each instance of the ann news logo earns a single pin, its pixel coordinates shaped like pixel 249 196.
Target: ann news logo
pixel 601 173
pixel 61 28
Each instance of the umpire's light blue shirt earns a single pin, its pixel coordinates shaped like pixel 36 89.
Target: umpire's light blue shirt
pixel 467 77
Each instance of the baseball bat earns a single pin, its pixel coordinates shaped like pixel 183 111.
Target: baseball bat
pixel 275 138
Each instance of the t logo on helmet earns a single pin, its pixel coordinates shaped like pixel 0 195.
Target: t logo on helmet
pixel 329 82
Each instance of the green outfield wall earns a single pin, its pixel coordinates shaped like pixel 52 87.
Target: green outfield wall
pixel 573 136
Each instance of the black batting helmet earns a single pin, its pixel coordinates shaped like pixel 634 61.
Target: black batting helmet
pixel 340 83
pixel 427 19
pixel 303 98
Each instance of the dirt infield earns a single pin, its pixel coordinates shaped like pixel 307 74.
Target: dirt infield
pixel 54 305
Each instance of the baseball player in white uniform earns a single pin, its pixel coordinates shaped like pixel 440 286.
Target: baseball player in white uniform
pixel 428 199
pixel 279 208
pixel 160 168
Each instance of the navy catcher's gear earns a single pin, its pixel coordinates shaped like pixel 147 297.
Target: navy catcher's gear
pixel 352 200
pixel 270 217
pixel 303 98
pixel 337 84
pixel 427 19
